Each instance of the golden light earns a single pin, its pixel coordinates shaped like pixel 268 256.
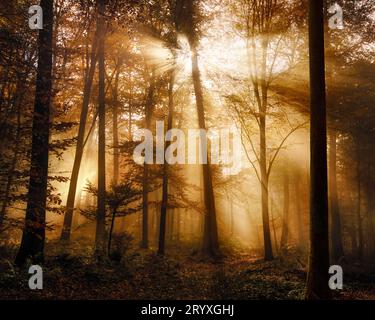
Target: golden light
pixel 163 58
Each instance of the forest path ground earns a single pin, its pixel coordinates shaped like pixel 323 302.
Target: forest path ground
pixel 144 275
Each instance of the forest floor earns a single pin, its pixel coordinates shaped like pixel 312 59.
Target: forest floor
pixel 143 275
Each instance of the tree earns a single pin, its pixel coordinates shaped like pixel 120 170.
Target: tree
pixel 101 209
pixel 359 203
pixel 285 225
pixel 299 199
pixel 33 237
pixel 336 238
pixel 68 218
pixel 187 13
pixel 265 31
pixel 317 279
pixel 149 109
pixel 115 114
pixel 164 203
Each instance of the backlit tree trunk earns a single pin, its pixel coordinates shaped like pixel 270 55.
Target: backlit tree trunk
pixel 186 12
pixel 33 237
pixel 268 254
pixel 164 203
pixel 317 279
pixel 285 226
pixel 359 203
pixel 149 107
pixel 336 242
pixel 100 215
pixel 298 196
pixel 210 236
pixel 116 153
pixel 66 230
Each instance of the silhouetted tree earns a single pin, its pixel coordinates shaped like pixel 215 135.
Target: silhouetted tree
pixel 33 237
pixel 187 14
pixel 101 210
pixel 336 238
pixel 317 279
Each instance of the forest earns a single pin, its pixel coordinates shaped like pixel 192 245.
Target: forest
pixel 187 149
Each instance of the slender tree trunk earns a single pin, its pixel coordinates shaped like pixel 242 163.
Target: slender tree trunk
pixel 268 254
pixel 114 212
pixel 353 238
pixel 359 202
pixel 210 237
pixel 201 217
pixel 336 242
pixel 317 279
pixel 68 218
pixel 130 110
pixel 231 219
pixel 116 153
pixel 164 202
pixel 12 168
pixel 185 19
pixel 366 183
pixel 33 237
pixel 274 227
pixel 370 186
pixel 285 226
pixel 170 225
pixel 178 227
pixel 100 216
pixel 149 107
pixel 299 214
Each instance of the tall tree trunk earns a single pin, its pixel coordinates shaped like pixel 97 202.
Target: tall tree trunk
pixel 164 202
pixel 299 214
pixel 274 227
pixel 114 212
pixel 116 153
pixel 33 237
pixel 336 242
pixel 359 202
pixel 185 20
pixel 210 236
pixel 268 254
pixel 149 107
pixel 370 186
pixel 178 227
pixel 317 279
pixel 170 225
pixel 10 177
pixel 68 218
pixel 100 215
pixel 231 219
pixel 285 226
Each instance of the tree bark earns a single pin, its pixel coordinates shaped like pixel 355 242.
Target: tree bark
pixel 11 172
pixel 149 107
pixel 164 203
pixel 370 186
pixel 274 227
pixel 116 153
pixel 231 219
pixel 33 237
pixel 359 202
pixel 268 254
pixel 299 214
pixel 317 279
pixel 114 212
pixel 210 237
pixel 68 218
pixel 336 241
pixel 100 215
pixel 285 226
